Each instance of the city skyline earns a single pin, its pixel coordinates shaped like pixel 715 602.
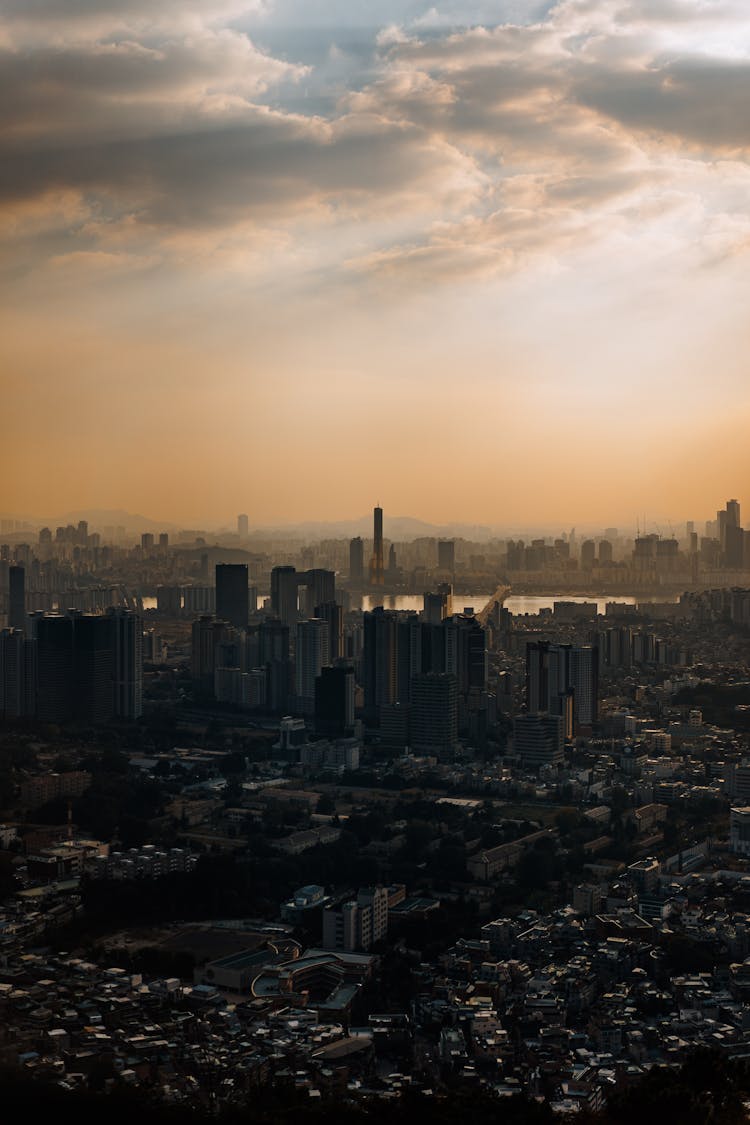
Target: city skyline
pixel 395 527
pixel 465 262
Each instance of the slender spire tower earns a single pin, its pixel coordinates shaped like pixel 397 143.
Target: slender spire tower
pixel 377 567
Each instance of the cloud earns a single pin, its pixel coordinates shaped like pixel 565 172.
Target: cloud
pixel 475 152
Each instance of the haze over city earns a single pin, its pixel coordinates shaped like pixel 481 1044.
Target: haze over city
pixel 475 262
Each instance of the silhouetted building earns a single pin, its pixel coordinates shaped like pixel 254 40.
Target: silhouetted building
pixel 320 587
pixel 377 564
pixel 208 634
pixel 334 702
pixel 242 526
pixel 16 597
pixel 439 605
pixel 356 560
pixel 232 595
pixel 588 554
pixel 380 660
pixel 284 593
pixel 538 740
pixel 17 675
pixel 54 637
pixel 434 714
pixel 332 613
pixel 446 555
pixel 273 655
pixel 93 663
pixel 127 662
pixel 553 670
pixel 311 656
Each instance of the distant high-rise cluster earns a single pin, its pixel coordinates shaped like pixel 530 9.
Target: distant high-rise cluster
pixel 377 568
pixel 73 666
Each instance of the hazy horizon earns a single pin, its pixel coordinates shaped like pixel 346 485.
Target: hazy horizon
pixel 487 263
pixel 395 525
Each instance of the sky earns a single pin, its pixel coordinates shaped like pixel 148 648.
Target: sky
pixel 479 261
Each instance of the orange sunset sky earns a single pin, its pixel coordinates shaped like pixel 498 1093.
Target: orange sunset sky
pixel 486 262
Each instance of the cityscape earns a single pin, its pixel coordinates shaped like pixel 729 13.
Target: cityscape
pixel 374 562
pixel 274 824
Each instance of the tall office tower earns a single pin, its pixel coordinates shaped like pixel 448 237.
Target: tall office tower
pixel 16 597
pixel 408 653
pixel 54 636
pixel 127 668
pixel 734 544
pixel 12 674
pixel 147 541
pixel 356 560
pixel 377 565
pixel 731 535
pixel 466 655
pixel 439 605
pixel 207 635
pixel 82 533
pixel 242 526
pixel 320 586
pixel 538 740
pixel 434 714
pixel 446 555
pixel 584 680
pixel 552 670
pixel 311 656
pixel 273 654
pixel 392 564
pixel 433 647
pixel 616 647
pixel 45 537
pixel 333 615
pixel 163 540
pixel 588 554
pixel 93 667
pixel 380 664
pixel 605 552
pixel 334 702
pixel 284 594
pixel 232 596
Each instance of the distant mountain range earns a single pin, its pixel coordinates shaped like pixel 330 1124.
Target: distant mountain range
pixel 394 527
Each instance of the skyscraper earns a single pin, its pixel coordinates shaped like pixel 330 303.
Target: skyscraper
pixel 273 654
pixel 93 664
pixel 446 555
pixel 284 593
pixel 242 526
pixel 538 740
pixel 333 615
pixel 356 560
pixel 16 597
pixel 311 656
pixel 553 670
pixel 377 565
pixel 232 597
pixel 320 586
pixel 334 702
pixel 380 660
pixel 434 714
pixel 127 662
pixel 54 636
